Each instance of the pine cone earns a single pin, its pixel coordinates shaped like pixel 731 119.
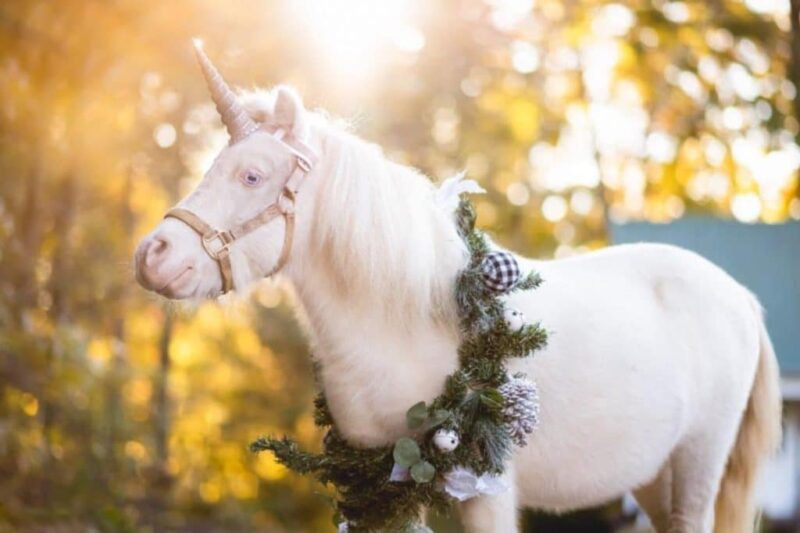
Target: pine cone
pixel 520 409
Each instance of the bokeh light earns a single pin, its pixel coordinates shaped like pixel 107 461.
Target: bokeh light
pixel 352 36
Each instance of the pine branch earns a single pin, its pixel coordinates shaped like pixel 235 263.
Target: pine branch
pixel 287 453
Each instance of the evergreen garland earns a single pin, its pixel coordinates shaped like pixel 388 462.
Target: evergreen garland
pixel 470 404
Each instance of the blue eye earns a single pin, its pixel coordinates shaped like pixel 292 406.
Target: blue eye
pixel 251 179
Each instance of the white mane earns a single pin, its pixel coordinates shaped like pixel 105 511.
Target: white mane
pixel 375 222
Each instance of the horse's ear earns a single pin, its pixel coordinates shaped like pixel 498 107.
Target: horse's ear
pixel 289 112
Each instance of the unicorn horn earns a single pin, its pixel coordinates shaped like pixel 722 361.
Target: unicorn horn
pixel 236 120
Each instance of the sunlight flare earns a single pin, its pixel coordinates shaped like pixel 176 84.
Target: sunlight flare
pixel 353 36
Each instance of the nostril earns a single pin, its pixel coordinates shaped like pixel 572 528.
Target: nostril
pixel 156 250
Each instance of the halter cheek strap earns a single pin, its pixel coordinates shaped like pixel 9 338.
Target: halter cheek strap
pixel 217 243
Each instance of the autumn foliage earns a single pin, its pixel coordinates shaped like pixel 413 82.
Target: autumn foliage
pixel 120 411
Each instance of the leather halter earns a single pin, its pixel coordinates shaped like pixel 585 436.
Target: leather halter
pixel 217 243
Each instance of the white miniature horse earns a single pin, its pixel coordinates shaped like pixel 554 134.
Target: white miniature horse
pixel 659 376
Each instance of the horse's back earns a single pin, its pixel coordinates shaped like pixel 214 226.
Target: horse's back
pixel 649 345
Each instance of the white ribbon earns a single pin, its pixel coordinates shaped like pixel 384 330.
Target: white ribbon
pixel 399 473
pixel 448 194
pixel 462 484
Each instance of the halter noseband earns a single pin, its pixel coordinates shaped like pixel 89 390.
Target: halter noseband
pixel 217 243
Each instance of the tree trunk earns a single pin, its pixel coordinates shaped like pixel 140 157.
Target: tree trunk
pixel 59 313
pixel 161 406
pixel 31 241
pixel 794 67
pixel 116 374
pixel 160 479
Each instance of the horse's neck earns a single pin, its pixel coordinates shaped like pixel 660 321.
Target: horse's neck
pixel 373 369
pixel 379 350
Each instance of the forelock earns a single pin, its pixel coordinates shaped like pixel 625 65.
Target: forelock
pixel 259 104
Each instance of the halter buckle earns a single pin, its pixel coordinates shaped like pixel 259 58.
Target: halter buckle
pixel 224 239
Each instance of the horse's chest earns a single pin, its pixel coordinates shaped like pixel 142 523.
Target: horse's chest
pixel 370 387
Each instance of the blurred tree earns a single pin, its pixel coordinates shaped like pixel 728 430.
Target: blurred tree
pixel 120 412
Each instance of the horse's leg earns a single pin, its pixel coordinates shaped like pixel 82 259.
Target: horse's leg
pixel 697 468
pixel 492 514
pixel 655 498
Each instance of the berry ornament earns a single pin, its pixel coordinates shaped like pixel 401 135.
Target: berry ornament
pixel 446 440
pixel 514 319
pixel 500 271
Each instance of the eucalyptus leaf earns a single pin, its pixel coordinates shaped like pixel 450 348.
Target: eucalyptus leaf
pixel 406 452
pixel 423 472
pixel 416 415
pixel 439 417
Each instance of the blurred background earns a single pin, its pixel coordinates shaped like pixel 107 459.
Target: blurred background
pixel 588 122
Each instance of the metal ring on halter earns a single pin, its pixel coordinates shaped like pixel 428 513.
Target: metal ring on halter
pixel 225 240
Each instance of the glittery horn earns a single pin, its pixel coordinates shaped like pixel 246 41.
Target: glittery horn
pixel 236 120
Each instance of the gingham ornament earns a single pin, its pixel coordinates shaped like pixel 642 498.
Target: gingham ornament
pixel 500 271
